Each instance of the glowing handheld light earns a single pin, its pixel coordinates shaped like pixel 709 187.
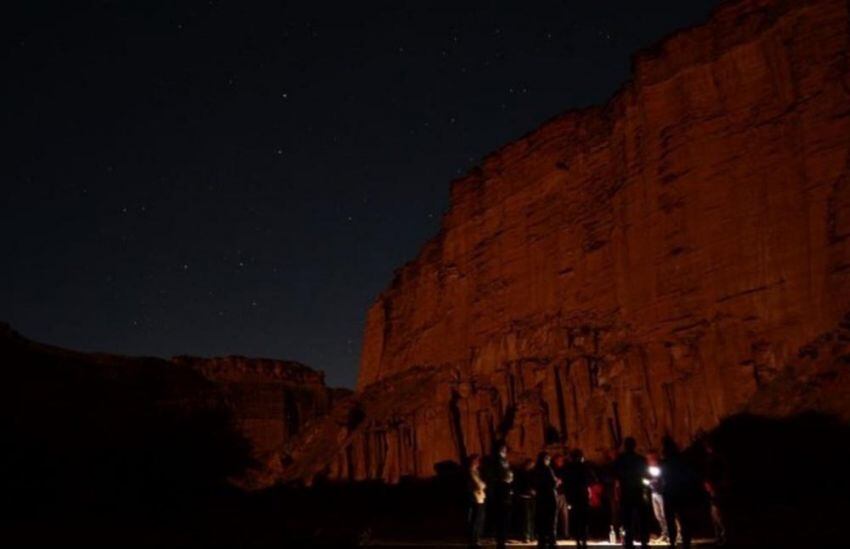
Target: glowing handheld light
pixel 654 470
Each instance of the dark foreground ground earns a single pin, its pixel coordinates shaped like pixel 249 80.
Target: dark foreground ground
pixel 789 482
pixel 563 543
pixel 789 478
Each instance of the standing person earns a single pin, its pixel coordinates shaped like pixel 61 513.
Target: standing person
pixel 526 499
pixel 715 485
pixel 503 479
pixel 631 469
pixel 680 490
pixel 563 528
pixel 577 489
pixel 656 483
pixel 478 495
pixel 610 494
pixel 598 522
pixel 546 487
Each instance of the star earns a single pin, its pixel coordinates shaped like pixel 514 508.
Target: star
pixel 182 190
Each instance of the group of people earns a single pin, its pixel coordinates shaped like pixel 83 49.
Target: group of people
pixel 564 496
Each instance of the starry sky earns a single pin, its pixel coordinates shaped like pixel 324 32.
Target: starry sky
pixel 231 177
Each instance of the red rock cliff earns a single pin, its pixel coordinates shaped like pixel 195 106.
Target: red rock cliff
pixel 271 399
pixel 639 268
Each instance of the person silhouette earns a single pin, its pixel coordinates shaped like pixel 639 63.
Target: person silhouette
pixel 562 527
pixel 502 484
pixel 715 485
pixel 680 488
pixel 525 498
pixel 546 487
pixel 477 496
pixel 577 478
pixel 631 470
pixel 656 484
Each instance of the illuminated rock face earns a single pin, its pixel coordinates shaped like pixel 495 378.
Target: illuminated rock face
pixel 641 268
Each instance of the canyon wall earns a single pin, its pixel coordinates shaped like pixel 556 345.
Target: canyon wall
pixel 270 400
pixel 241 404
pixel 645 267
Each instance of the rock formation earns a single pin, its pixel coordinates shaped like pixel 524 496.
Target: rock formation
pixel 645 267
pixel 270 400
pixel 265 401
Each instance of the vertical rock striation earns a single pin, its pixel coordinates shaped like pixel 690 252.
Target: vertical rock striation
pixel 639 268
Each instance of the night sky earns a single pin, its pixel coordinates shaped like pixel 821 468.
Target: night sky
pixel 234 177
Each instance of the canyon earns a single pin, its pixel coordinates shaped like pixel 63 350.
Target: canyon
pixel 239 410
pixel 646 267
pixel 643 268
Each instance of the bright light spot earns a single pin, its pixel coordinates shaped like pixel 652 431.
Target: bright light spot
pixel 655 471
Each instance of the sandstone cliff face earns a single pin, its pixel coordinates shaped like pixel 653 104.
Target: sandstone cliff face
pixel 640 268
pixel 271 400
